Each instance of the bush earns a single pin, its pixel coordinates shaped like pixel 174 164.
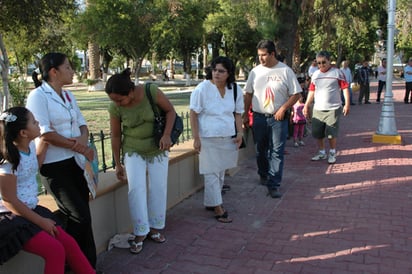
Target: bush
pixel 18 91
pixel 92 82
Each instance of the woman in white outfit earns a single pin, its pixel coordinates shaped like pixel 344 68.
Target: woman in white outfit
pixel 215 116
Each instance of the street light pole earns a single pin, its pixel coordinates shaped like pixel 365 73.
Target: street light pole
pixel 387 132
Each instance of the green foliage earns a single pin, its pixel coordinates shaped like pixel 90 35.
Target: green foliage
pixel 403 39
pixel 234 29
pixel 31 15
pixel 179 32
pixel 33 28
pixel 346 28
pixel 122 26
pixel 18 91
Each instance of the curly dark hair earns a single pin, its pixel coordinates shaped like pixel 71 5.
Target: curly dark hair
pixel 227 64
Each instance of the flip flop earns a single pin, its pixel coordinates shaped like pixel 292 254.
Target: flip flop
pixel 157 237
pixel 136 247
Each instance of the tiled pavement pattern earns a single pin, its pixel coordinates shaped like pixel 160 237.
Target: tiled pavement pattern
pixel 354 216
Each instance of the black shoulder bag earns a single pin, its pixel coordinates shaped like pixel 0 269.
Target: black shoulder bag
pixel 160 122
pixel 243 144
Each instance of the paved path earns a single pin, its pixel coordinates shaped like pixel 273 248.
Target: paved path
pixel 351 217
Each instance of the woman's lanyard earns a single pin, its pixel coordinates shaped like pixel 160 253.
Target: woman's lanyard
pixel 68 107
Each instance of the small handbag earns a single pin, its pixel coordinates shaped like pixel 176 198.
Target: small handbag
pixel 243 144
pixel 160 122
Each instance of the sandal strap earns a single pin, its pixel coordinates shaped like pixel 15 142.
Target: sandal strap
pixel 136 247
pixel 156 236
pixel 136 244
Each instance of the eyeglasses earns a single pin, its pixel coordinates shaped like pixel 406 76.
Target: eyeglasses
pixel 322 63
pixel 219 70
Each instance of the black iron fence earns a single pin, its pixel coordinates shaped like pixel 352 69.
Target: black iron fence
pixel 102 143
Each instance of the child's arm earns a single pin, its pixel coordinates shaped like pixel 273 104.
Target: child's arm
pixel 8 190
pixel 41 148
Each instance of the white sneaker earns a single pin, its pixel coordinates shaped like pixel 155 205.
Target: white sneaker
pixel 319 156
pixel 296 144
pixel 332 158
pixel 301 143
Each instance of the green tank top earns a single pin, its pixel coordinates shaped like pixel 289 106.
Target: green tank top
pixel 137 127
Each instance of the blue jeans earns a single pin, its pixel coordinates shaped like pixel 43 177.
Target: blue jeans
pixel 270 138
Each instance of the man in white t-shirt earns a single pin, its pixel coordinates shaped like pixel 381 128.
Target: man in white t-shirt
pixel 381 79
pixel 272 89
pixel 313 67
pixel 325 90
pixel 348 76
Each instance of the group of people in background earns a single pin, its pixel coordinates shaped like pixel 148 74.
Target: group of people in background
pixel 50 135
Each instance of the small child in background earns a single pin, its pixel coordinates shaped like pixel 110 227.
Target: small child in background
pixel 298 121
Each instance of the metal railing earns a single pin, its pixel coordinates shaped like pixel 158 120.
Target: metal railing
pixel 103 145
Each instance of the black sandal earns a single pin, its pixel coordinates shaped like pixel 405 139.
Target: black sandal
pixel 224 218
pixel 226 187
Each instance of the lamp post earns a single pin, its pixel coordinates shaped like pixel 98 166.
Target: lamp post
pixel 387 132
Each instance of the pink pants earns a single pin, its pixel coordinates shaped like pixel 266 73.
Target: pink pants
pixel 55 251
pixel 298 130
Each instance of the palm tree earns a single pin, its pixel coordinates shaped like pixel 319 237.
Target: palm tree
pixel 286 18
pixel 94 57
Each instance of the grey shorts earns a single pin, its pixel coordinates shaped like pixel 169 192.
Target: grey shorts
pixel 325 123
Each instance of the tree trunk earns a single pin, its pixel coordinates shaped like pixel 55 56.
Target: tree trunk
pixel 4 63
pixel 94 61
pixel 287 16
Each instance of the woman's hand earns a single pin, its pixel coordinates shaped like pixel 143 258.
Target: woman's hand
pixel 120 174
pixel 83 149
pixel 238 140
pixel 165 142
pixel 197 144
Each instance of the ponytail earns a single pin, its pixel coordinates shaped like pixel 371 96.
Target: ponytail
pixel 36 81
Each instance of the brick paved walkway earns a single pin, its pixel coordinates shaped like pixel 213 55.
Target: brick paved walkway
pixel 351 217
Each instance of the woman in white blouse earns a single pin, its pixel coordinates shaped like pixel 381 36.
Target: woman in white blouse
pixel 215 117
pixel 64 129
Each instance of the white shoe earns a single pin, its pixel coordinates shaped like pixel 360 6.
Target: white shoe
pixel 301 143
pixel 332 158
pixel 296 144
pixel 319 156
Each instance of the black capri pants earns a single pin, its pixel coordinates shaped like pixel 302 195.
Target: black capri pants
pixel 65 181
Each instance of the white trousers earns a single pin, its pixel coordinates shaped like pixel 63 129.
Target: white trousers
pixel 213 188
pixel 147 200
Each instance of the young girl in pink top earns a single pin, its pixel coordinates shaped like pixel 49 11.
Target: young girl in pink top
pixel 299 122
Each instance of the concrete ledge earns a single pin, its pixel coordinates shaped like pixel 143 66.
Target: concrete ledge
pixel 110 209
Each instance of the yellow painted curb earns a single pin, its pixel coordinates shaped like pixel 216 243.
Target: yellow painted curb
pixel 387 139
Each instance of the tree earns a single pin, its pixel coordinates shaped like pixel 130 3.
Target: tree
pixel 122 26
pixel 180 31
pixel 23 21
pixel 285 20
pixel 234 30
pixel 404 25
pixel 93 55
